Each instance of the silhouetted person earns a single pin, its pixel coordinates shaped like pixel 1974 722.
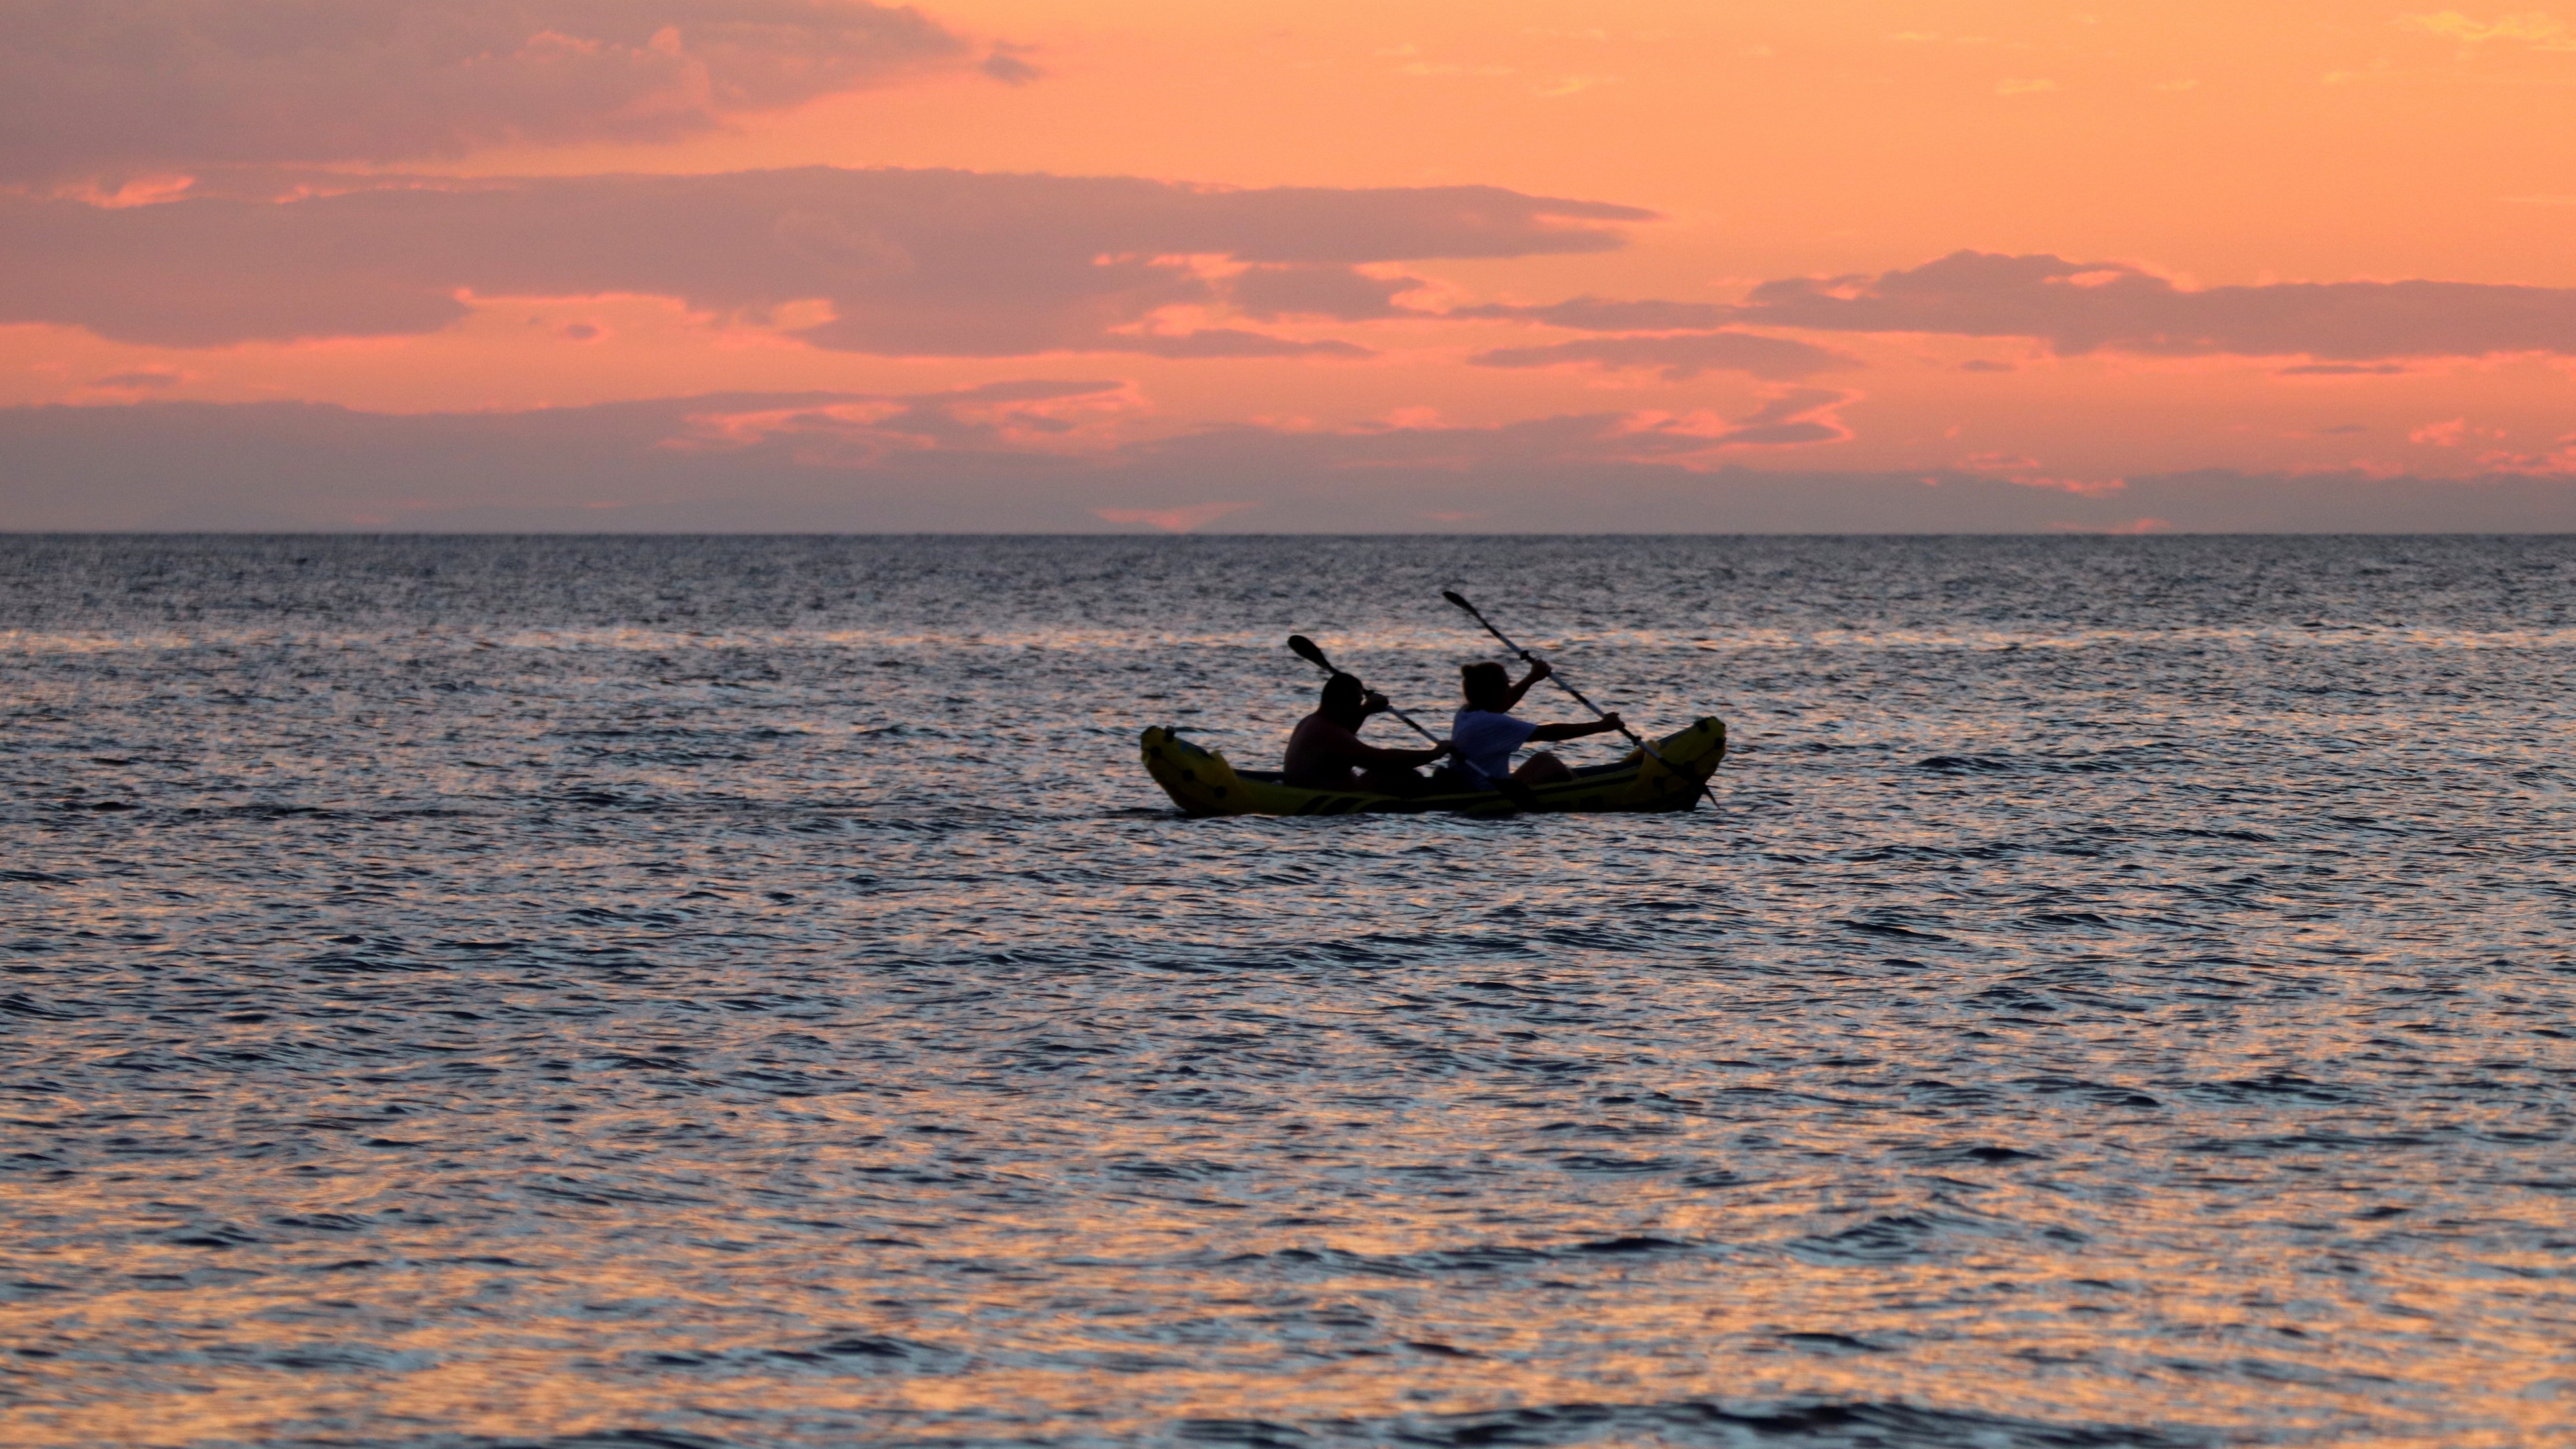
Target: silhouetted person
pixel 1485 733
pixel 1325 751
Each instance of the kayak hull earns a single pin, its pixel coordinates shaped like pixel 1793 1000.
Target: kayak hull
pixel 1202 782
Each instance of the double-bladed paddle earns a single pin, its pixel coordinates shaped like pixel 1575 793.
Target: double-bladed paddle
pixel 1306 649
pixel 1528 658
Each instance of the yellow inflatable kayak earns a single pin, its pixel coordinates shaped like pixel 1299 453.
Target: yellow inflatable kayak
pixel 1202 783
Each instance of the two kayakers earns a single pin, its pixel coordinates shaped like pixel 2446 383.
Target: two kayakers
pixel 1325 751
pixel 1485 734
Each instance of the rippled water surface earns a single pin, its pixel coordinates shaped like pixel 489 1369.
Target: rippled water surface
pixel 745 992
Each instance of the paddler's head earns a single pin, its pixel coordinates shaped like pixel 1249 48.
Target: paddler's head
pixel 1485 684
pixel 1345 700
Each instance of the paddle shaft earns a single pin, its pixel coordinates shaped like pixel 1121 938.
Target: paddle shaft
pixel 1417 728
pixel 1559 681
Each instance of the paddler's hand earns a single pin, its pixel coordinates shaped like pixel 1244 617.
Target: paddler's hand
pixel 1374 703
pixel 1540 669
pixel 1441 751
pixel 1612 724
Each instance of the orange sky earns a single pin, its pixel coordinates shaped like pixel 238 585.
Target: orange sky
pixel 2172 147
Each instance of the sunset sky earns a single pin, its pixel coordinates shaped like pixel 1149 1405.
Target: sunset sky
pixel 1808 265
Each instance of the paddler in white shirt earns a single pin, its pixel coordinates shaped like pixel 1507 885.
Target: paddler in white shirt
pixel 1485 732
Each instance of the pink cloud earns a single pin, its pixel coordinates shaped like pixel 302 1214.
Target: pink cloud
pixel 2027 472
pixel 912 263
pixel 2529 27
pixel 1003 63
pixel 1602 314
pixel 2356 467
pixel 1172 520
pixel 2085 307
pixel 103 86
pixel 149 377
pixel 1678 358
pixel 2081 487
pixel 1792 418
pixel 1225 342
pixel 1998 463
pixel 860 430
pixel 2559 462
pixel 1271 293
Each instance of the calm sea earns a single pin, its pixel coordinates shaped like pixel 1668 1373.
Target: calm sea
pixel 744 992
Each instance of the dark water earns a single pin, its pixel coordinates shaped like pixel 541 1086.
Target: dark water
pixel 743 992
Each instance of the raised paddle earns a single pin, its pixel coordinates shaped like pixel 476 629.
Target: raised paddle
pixel 1306 649
pixel 1559 680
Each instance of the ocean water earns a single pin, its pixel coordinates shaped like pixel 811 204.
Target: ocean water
pixel 744 992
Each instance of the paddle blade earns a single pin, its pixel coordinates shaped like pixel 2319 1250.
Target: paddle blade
pixel 1305 649
pixel 1458 600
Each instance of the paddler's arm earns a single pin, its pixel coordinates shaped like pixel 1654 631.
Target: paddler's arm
pixel 1539 669
pixel 1549 734
pixel 1364 756
pixel 1402 759
pixel 1339 748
